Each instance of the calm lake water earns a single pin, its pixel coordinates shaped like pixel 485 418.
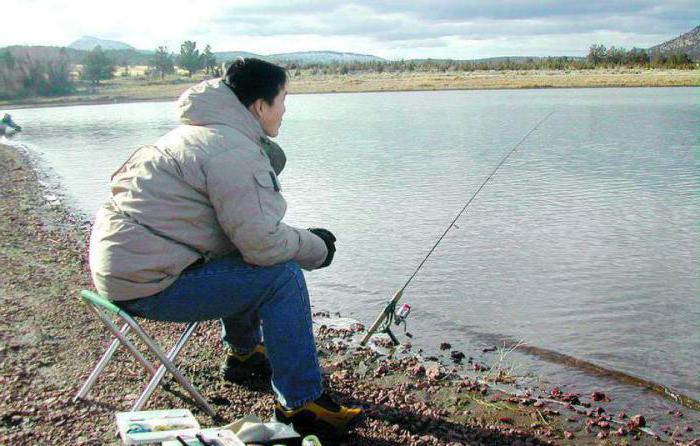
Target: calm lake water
pixel 586 242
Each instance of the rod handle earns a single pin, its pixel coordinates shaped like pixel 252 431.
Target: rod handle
pixel 381 317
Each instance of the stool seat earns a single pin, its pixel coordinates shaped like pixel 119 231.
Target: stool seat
pixel 105 310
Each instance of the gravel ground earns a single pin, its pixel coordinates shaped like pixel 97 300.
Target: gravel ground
pixel 49 343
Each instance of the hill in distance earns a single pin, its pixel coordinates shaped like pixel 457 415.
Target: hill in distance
pixel 88 43
pixel 305 57
pixel 323 57
pixel 123 53
pixel 225 56
pixel 685 43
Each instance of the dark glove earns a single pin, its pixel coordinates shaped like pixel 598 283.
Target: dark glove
pixel 329 239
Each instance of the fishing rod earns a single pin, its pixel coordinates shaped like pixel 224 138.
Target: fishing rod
pixel 390 314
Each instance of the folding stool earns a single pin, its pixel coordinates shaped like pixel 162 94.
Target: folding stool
pixel 103 308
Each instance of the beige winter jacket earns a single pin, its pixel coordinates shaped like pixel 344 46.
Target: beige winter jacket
pixel 206 189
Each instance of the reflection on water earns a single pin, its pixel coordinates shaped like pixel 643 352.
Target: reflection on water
pixel 586 242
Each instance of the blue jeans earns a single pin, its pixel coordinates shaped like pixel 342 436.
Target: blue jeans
pixel 243 295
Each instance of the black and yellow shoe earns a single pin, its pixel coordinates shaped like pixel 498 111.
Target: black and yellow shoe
pixel 320 415
pixel 238 367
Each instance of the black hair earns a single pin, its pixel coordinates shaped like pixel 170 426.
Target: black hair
pixel 252 79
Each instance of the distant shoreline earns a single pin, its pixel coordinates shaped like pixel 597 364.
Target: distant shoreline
pixel 120 90
pixel 68 102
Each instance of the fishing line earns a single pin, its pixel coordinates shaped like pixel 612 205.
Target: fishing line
pixel 387 315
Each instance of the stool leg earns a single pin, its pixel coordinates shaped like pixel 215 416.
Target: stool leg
pixel 101 365
pixel 155 380
pixel 170 367
pixel 127 343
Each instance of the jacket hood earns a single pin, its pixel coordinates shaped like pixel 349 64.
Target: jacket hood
pixel 213 103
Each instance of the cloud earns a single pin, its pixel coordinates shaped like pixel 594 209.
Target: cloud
pixel 513 9
pixel 422 43
pixel 387 28
pixel 391 20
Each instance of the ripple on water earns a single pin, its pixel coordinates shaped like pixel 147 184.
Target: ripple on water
pixel 586 241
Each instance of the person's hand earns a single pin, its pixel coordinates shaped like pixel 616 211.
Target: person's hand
pixel 329 239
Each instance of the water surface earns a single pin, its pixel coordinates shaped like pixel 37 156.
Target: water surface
pixel 586 241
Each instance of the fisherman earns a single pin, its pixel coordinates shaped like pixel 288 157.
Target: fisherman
pixel 194 231
pixel 8 126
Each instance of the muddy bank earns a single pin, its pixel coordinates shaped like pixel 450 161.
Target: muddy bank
pixel 49 342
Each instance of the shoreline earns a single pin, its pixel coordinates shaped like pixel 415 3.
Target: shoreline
pixel 71 103
pixel 120 91
pixel 409 400
pixel 136 100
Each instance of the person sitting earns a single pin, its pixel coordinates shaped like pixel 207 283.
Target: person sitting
pixel 194 231
pixel 8 126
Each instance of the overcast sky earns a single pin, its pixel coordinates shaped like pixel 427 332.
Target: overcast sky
pixel 392 29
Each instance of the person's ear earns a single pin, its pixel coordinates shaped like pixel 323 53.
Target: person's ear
pixel 256 108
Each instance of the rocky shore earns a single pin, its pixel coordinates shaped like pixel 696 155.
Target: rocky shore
pixel 49 343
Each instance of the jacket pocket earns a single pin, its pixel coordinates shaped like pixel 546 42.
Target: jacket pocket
pixel 267 179
pixel 272 203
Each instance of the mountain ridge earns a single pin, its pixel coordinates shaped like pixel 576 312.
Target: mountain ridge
pixel 124 53
pixel 688 43
pixel 321 57
pixel 88 43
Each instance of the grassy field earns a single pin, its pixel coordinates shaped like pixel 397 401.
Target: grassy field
pixel 136 87
pixel 493 80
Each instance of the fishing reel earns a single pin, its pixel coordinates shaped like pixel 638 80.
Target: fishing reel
pixel 399 316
